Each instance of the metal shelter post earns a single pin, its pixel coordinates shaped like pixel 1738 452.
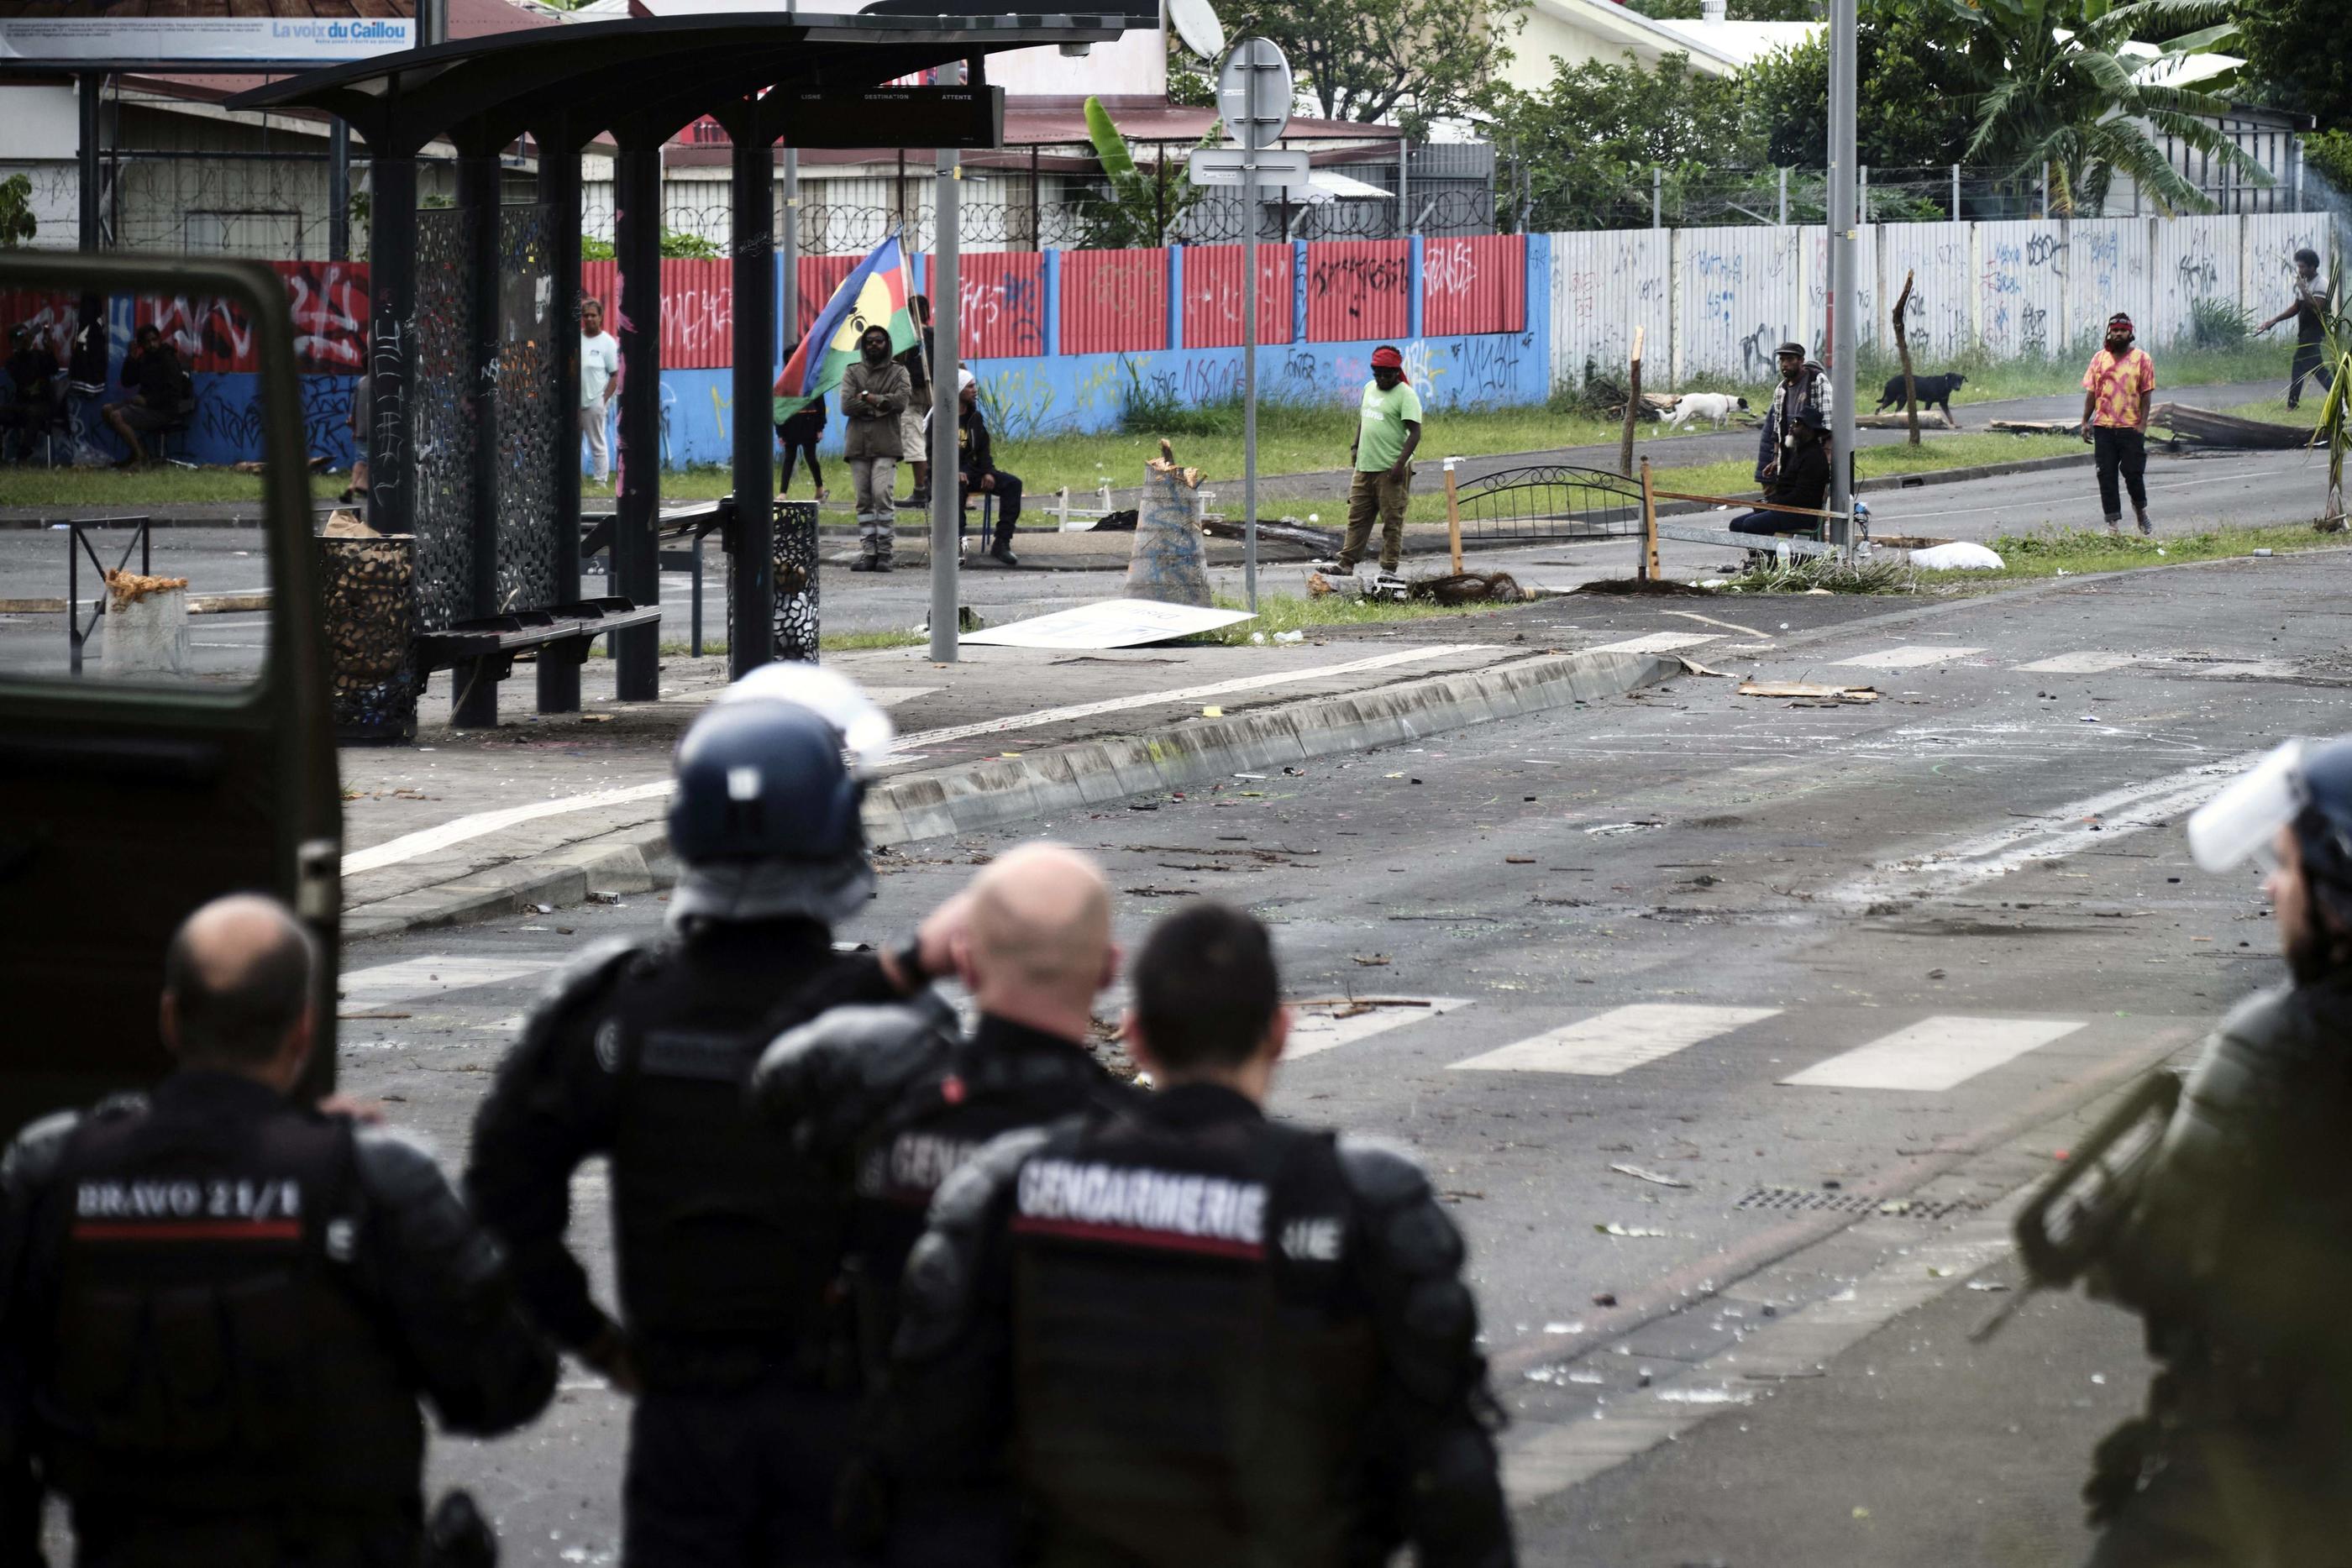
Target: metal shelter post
pixel 338 190
pixel 947 355
pixel 1843 304
pixel 559 191
pixel 752 564
pixel 476 699
pixel 392 303
pixel 636 556
pixel 93 106
pixel 788 248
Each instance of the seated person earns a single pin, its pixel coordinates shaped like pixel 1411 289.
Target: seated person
pixel 33 391
pixel 1795 434
pixel 976 463
pixel 162 393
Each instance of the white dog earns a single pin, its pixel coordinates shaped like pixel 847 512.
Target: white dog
pixel 1716 406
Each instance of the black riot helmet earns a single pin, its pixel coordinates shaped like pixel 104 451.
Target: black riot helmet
pixel 765 819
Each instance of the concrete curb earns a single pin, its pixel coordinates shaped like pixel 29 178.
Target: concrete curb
pixel 975 796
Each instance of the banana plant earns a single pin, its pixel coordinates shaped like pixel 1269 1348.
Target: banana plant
pixel 1143 209
pixel 2072 107
pixel 2334 426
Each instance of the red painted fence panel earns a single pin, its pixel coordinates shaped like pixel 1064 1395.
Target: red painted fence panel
pixel 1114 301
pixel 1474 284
pixel 698 324
pixel 1355 289
pixel 330 303
pixel 1002 304
pixel 1212 289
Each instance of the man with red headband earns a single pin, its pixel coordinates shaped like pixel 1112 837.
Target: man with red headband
pixel 2115 393
pixel 1388 430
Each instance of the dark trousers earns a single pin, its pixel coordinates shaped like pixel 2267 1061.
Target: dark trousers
pixel 793 449
pixel 2120 450
pixel 2309 361
pixel 1802 479
pixel 745 1478
pixel 1007 491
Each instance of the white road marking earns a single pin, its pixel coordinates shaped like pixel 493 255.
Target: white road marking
pixel 436 973
pixel 1658 643
pixel 428 841
pixel 1315 1031
pixel 1910 656
pixel 2265 669
pixel 2089 664
pixel 1935 1053
pixel 1617 1040
pixel 2061 831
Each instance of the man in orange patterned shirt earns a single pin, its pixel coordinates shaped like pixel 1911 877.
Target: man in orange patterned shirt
pixel 2115 393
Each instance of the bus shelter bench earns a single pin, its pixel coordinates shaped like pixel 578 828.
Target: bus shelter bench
pixel 481 653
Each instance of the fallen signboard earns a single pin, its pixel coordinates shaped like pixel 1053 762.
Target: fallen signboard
pixel 1110 623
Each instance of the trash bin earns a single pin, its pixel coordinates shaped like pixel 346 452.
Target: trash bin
pixel 796 582
pixel 367 593
pixel 145 629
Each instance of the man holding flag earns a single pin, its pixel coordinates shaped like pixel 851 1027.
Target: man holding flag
pixel 869 310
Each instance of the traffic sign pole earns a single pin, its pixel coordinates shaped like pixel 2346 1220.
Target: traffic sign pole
pixel 1249 390
pixel 1254 91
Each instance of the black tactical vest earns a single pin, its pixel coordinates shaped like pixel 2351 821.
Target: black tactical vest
pixel 1005 1077
pixel 212 1353
pixel 726 1240
pixel 1194 1367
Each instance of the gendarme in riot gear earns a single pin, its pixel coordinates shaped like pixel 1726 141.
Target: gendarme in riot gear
pixel 1173 1331
pixel 727 1244
pixel 892 1100
pixel 2223 1222
pixel 221 1307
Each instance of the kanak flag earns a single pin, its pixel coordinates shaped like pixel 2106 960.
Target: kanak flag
pixel 873 295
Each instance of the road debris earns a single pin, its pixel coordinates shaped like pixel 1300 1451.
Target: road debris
pixel 1614 1228
pixel 1809 691
pixel 1637 1173
pixel 1371 960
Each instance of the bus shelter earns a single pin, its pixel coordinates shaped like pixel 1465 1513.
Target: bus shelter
pixel 473 346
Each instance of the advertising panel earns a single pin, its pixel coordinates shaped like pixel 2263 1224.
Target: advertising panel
pixel 90 34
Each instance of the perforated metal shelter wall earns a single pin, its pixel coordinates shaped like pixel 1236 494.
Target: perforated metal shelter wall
pixel 530 426
pixel 441 419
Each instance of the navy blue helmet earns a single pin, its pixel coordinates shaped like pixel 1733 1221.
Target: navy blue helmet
pixel 765 819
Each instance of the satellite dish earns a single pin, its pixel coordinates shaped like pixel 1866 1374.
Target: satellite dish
pixel 1196 24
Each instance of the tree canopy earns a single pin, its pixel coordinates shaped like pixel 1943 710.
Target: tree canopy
pixel 1412 61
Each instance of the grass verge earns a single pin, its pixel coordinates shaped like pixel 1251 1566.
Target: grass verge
pixel 2066 552
pixel 1286 612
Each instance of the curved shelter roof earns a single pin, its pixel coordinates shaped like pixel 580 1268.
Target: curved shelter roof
pixel 644 77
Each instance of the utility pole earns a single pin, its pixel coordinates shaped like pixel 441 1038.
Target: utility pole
pixel 947 300
pixel 1844 309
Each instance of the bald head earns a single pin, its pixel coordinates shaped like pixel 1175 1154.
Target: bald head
pixel 1037 935
pixel 236 984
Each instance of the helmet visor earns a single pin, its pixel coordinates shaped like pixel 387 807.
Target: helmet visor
pixel 2241 822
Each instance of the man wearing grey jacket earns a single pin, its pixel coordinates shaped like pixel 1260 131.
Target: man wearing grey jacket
pixel 874 390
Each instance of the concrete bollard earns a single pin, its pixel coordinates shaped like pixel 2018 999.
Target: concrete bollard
pixel 145 629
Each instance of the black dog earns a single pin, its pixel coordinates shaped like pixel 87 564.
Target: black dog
pixel 1935 392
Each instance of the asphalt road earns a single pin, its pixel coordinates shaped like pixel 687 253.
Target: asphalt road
pixel 1954 917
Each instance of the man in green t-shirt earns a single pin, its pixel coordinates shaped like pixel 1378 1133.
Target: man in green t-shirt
pixel 1388 430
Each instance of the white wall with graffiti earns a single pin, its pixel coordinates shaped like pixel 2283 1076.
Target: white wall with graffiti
pixel 1714 302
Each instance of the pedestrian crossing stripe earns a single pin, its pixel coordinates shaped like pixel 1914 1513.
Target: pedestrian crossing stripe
pixel 1618 1041
pixel 2085 664
pixel 1321 1026
pixel 436 973
pixel 1934 1054
pixel 1910 656
pixel 1658 643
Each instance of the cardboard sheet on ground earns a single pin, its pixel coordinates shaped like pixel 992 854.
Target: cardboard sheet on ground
pixel 1112 624
pixel 1809 691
